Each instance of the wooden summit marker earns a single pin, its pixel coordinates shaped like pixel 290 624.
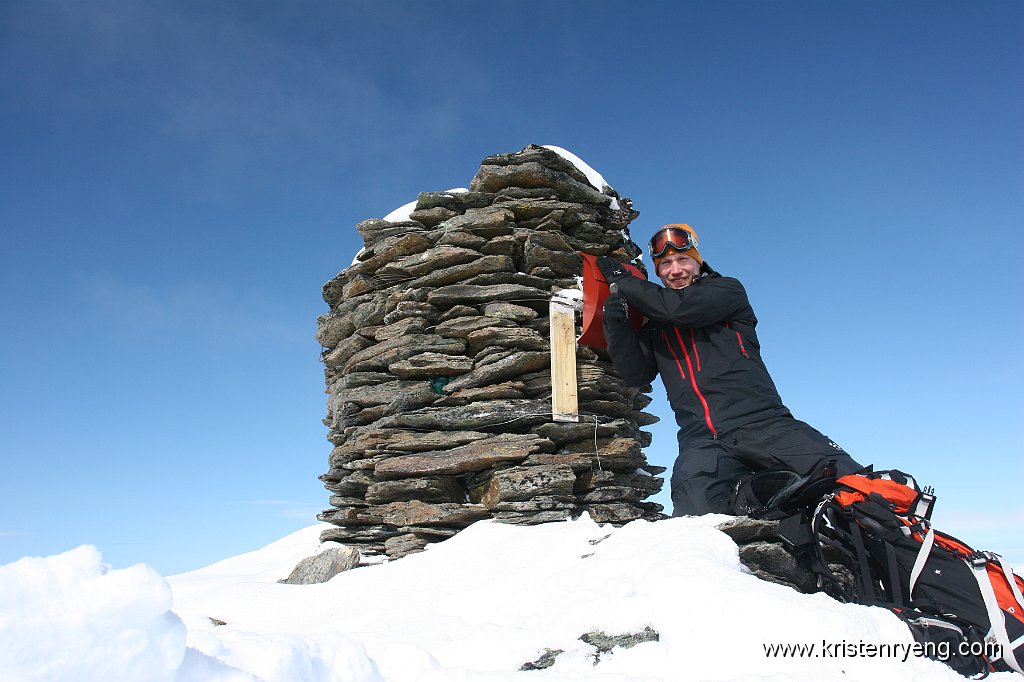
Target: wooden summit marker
pixel 564 397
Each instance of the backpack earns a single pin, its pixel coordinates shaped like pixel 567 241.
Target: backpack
pixel 869 539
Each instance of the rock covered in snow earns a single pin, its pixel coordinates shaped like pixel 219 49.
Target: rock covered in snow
pixel 321 567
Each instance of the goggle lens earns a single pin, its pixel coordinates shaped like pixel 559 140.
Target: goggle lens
pixel 671 238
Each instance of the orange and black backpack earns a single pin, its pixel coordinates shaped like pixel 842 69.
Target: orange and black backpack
pixel 870 540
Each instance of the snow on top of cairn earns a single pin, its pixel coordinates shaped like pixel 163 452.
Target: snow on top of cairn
pixel 404 212
pixel 593 177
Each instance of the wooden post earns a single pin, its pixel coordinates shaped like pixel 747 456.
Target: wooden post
pixel 564 399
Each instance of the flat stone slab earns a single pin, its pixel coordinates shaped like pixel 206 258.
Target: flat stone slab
pixel 517 484
pixel 424 489
pixel 492 178
pixel 475 294
pixel 429 365
pixel 476 456
pixel 416 513
pixel 461 327
pixel 511 367
pixel 503 415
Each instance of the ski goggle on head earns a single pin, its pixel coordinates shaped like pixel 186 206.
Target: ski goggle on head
pixel 673 237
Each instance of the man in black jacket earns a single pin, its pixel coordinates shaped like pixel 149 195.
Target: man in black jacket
pixel 699 336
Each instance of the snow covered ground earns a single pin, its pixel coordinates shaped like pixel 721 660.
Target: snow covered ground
pixel 476 607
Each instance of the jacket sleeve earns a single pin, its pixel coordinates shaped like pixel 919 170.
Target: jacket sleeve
pixel 714 299
pixel 631 355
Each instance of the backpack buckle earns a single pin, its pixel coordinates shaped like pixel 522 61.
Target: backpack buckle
pixel 979 559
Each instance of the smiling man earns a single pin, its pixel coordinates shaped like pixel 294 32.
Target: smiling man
pixel 699 336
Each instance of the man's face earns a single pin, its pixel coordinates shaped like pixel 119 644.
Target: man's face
pixel 677 270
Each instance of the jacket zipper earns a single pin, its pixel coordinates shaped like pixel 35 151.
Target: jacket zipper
pixel 739 340
pixel 693 380
pixel 674 356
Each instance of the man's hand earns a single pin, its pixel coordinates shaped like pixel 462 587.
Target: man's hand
pixel 615 310
pixel 611 269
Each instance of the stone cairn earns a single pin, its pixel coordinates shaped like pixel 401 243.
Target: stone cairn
pixel 437 364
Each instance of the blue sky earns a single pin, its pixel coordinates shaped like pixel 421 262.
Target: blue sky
pixel 179 179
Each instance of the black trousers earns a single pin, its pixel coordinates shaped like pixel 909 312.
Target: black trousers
pixel 706 472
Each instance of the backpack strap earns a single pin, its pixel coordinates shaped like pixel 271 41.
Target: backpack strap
pixel 1010 578
pixel 922 557
pixel 864 585
pixel 979 569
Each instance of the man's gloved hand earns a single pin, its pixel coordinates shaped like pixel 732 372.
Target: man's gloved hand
pixel 611 269
pixel 615 310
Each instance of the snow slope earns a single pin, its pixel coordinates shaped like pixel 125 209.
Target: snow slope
pixel 476 607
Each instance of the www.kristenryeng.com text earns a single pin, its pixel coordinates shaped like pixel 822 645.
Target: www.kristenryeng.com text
pixel 941 651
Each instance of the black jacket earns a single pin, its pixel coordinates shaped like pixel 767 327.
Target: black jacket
pixel 701 340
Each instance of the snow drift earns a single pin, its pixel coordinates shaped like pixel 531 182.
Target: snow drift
pixel 480 606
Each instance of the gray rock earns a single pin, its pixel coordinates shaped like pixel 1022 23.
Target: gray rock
pixel 538 505
pixel 457 311
pixel 506 337
pixel 355 483
pixel 615 493
pixel 615 454
pixel 455 201
pixel 405 245
pixel 592 480
pixel 379 356
pixel 427 365
pixel 532 174
pixel 345 350
pixel 405 309
pixel 475 456
pixel 376 440
pixel 474 294
pixel 543 284
pixel 509 311
pixel 545 660
pixel 431 217
pixel 462 327
pixel 489 222
pixel 430 260
pixel 558 263
pixel 424 489
pixel 353 534
pixel 743 530
pixel 604 643
pixel 516 484
pixel 403 545
pixel 510 367
pixel 323 566
pixel 416 513
pixel 333 328
pixel 503 245
pixel 421 394
pixel 509 390
pixel 485 415
pixel 614 512
pixel 534 518
pixel 408 325
pixel 461 238
pixel 490 355
pixel 770 561
pixel 538 154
